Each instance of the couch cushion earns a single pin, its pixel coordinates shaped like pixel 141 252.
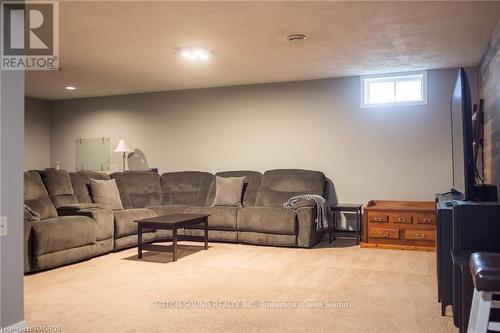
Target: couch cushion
pixel 250 188
pixel 80 182
pixel 280 185
pixel 58 184
pixel 274 220
pixel 63 200
pixel 168 209
pixel 221 218
pixel 186 188
pixel 124 220
pixel 36 196
pixel 62 233
pixel 138 189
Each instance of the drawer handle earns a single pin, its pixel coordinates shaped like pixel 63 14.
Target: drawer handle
pixel 402 219
pixel 427 220
pixel 378 219
pixel 421 236
pixel 384 234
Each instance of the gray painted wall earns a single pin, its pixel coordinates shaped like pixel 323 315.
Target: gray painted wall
pixel 11 196
pixel 390 153
pixel 36 134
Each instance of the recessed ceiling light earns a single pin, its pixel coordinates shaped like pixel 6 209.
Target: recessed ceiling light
pixel 195 54
pixel 296 38
pixel 70 88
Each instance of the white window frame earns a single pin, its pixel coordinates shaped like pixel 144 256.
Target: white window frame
pixel 404 76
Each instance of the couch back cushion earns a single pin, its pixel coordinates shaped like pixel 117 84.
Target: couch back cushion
pixel 250 187
pixel 138 189
pixel 186 187
pixel 278 186
pixel 81 184
pixel 59 187
pixel 36 196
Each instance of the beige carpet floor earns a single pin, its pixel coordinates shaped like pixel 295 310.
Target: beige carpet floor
pixel 245 288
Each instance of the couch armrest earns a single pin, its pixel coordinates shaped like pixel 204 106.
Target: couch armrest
pixel 307 235
pixel 74 208
pixel 104 220
pixel 103 217
pixel 304 203
pixel 27 245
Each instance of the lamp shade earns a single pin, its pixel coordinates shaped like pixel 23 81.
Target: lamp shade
pixel 122 147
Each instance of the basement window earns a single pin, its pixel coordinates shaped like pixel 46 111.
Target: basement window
pixel 399 89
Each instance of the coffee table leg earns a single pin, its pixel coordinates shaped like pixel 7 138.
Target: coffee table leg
pixel 206 233
pixel 139 241
pixel 174 244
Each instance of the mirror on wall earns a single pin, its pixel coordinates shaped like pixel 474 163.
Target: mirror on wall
pixel 93 154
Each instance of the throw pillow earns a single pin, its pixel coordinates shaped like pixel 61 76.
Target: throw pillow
pixel 228 191
pixel 105 192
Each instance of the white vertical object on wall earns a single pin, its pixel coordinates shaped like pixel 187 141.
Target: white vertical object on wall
pixel 1 210
pixel 11 165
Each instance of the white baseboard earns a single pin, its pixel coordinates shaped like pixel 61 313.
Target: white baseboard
pixel 17 327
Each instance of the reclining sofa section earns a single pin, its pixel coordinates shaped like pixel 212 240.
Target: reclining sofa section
pixel 73 228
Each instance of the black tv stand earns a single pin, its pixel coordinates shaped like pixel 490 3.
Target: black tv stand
pixel 444 241
pixel 469 226
pixel 482 193
pixel 485 192
pixel 455 192
pixel 451 203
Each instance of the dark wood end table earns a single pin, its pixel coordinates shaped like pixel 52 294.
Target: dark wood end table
pixel 355 208
pixel 169 222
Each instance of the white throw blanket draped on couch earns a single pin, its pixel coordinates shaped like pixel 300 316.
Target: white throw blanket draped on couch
pixel 321 208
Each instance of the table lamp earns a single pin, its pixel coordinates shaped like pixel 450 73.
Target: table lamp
pixel 122 147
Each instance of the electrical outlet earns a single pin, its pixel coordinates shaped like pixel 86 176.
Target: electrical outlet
pixel 3 226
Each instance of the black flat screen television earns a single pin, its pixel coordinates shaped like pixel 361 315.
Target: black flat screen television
pixel 462 138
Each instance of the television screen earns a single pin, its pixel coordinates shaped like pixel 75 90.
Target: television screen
pixel 461 127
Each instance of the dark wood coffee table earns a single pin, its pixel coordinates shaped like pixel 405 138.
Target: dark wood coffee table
pixel 169 222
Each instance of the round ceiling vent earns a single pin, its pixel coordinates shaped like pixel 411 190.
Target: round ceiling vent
pixel 296 38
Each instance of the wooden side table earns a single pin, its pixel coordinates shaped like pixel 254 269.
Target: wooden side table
pixel 354 208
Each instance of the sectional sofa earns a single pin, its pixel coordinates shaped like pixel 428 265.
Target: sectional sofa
pixel 73 228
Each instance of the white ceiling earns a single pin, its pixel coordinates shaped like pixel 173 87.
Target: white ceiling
pixel 110 48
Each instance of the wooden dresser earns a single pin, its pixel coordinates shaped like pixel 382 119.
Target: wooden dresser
pixel 405 225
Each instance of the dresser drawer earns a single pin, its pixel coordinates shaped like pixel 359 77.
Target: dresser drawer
pixel 426 219
pixel 426 235
pixel 378 218
pixel 402 218
pixel 384 233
